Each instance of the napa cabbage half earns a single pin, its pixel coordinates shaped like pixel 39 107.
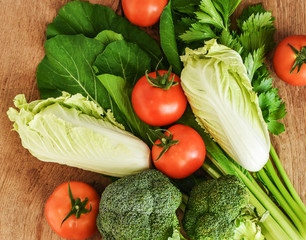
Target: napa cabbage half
pixel 220 94
pixel 77 132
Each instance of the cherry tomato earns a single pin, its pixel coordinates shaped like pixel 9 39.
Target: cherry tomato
pixel 143 13
pixel 182 158
pixel 59 205
pixel 285 57
pixel 156 106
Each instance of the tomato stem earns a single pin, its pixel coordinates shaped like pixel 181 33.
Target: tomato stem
pixel 77 206
pixel 165 141
pixel 162 81
pixel 300 58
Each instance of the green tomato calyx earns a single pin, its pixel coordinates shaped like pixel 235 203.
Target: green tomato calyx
pixel 300 58
pixel 165 141
pixel 77 206
pixel 162 81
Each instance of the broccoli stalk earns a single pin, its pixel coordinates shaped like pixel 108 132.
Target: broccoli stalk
pixel 141 206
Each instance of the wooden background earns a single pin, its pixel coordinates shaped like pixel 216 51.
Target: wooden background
pixel 26 183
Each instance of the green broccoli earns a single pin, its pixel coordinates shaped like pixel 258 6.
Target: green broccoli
pixel 141 206
pixel 219 209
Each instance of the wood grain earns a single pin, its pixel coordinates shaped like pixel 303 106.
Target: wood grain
pixel 26 183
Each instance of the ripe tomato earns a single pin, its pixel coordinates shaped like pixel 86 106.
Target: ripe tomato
pixel 182 158
pixel 156 106
pixel 59 205
pixel 143 13
pixel 285 57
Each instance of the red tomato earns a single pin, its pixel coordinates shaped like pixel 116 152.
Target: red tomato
pixel 58 207
pixel 285 57
pixel 181 159
pixel 143 13
pixel 156 106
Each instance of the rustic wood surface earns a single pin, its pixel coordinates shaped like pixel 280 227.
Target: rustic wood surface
pixel 26 183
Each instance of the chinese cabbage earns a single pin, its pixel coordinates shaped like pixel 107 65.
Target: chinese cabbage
pixel 74 131
pixel 219 91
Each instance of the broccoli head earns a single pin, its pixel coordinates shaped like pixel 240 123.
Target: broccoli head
pixel 217 208
pixel 141 206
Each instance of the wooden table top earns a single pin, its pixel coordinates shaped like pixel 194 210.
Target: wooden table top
pixel 26 183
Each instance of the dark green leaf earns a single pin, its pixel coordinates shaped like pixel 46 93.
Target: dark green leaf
pixel 67 66
pixel 187 7
pixel 198 32
pixel 133 34
pixel 226 8
pixel 276 127
pixel 278 113
pixel 247 12
pixel 81 17
pixel 123 59
pixel 78 17
pixel 229 39
pixel 108 36
pixel 254 40
pixel 167 39
pixel 258 31
pixel 273 109
pixel 257 22
pixel 262 85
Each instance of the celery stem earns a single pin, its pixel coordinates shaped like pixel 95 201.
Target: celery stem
pixel 285 178
pixel 270 228
pixel 299 212
pixel 280 199
pixel 275 212
pixel 214 174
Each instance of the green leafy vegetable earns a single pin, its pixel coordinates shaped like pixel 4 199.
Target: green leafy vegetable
pixel 108 36
pixel 219 91
pixel 73 130
pixel 123 59
pixel 167 39
pixel 212 18
pixel 252 41
pixel 71 69
pixel 79 17
pixel 257 31
pixel 67 66
pixel 198 32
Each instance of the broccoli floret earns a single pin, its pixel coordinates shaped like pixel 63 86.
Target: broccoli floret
pixel 217 208
pixel 141 206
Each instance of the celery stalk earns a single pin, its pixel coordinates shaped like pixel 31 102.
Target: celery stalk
pixel 270 228
pixel 285 178
pixel 297 209
pixel 281 200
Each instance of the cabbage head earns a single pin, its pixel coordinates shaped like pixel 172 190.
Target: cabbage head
pixel 220 94
pixel 77 132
